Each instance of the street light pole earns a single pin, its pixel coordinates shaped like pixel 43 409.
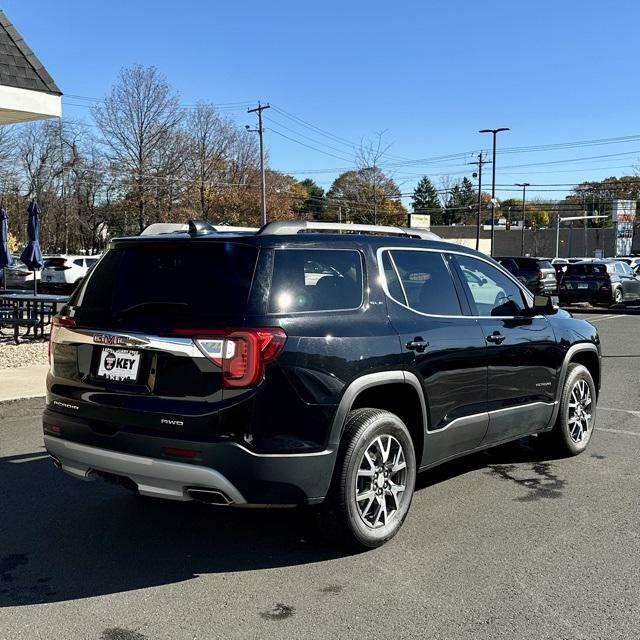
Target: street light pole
pixel 493 180
pixel 260 131
pixel 524 186
pixel 479 162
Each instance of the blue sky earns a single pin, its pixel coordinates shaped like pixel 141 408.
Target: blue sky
pixel 430 74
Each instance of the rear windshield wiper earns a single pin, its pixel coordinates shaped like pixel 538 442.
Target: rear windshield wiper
pixel 141 305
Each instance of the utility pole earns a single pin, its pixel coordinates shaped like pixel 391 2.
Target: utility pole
pixel 524 186
pixel 260 131
pixel 493 180
pixel 62 189
pixel 479 162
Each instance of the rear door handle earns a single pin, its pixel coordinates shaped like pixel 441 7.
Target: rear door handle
pixel 496 338
pixel 417 344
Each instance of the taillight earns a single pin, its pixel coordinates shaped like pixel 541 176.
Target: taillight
pixel 241 353
pixel 58 321
pixel 540 275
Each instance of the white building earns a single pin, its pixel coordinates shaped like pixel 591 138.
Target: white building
pixel 27 91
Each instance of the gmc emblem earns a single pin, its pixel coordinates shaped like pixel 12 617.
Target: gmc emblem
pixel 103 338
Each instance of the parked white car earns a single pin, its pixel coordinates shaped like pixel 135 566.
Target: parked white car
pixel 65 272
pixel 19 276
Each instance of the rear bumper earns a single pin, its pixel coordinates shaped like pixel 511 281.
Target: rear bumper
pixel 245 477
pixel 597 297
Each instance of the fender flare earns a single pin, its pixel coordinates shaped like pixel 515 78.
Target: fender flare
pixel 562 376
pixel 368 381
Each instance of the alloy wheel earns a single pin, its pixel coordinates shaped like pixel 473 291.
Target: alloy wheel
pixel 580 411
pixel 381 481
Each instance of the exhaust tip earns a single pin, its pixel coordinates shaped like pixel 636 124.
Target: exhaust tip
pixel 56 462
pixel 209 496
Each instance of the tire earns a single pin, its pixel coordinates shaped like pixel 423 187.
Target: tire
pixel 571 435
pixel 374 443
pixel 618 297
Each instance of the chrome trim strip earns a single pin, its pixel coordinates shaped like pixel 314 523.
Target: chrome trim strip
pixel 383 282
pixel 154 477
pixel 175 345
pixel 283 456
pixel 470 418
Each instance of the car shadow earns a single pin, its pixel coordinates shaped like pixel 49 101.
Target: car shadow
pixel 62 539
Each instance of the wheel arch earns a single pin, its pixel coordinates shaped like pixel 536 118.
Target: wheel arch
pixel 585 353
pixel 399 392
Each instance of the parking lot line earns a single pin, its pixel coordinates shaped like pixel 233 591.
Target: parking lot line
pixel 630 411
pixel 623 431
pixel 611 316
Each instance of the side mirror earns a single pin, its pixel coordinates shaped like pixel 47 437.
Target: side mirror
pixel 545 305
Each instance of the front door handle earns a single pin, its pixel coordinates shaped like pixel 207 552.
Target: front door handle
pixel 496 338
pixel 417 344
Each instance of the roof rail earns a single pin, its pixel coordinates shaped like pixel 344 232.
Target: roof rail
pixel 292 227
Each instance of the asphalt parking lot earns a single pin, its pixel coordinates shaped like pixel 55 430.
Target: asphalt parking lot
pixel 504 544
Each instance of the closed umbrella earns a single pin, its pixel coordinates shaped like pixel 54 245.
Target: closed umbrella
pixel 32 255
pixel 5 255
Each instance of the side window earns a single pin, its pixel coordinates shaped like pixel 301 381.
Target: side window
pixel 79 262
pixel 626 269
pixel 315 280
pixel 426 282
pixel 493 293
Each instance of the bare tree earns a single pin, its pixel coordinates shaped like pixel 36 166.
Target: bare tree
pixel 212 142
pixel 135 120
pixel 368 159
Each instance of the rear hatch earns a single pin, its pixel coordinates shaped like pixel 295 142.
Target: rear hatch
pixel 546 274
pixel 54 269
pixel 585 278
pixel 141 344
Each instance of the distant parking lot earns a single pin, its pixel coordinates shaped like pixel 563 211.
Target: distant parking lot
pixel 505 544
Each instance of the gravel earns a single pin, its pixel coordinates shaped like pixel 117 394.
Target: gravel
pixel 26 353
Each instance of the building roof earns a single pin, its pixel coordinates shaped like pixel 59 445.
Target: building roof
pixel 19 66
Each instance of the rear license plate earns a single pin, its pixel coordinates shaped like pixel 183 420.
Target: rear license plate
pixel 583 285
pixel 119 364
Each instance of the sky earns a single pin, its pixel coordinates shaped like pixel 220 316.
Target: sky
pixel 428 74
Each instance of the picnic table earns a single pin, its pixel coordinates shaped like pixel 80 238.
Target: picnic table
pixel 24 309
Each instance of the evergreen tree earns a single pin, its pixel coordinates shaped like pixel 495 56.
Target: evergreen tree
pixel 315 202
pixel 425 200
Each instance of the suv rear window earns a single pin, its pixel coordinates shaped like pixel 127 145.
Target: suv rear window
pixel 167 285
pixel 315 280
pixel 586 270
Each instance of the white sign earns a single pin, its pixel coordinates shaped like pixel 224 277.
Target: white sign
pixel 623 213
pixel 420 221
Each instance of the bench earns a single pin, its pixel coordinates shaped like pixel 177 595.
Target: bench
pixel 16 323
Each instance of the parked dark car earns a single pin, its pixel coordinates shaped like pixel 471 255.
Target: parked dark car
pixel 307 364
pixel 600 282
pixel 537 274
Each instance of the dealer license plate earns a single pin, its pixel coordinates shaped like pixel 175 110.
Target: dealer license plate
pixel 119 364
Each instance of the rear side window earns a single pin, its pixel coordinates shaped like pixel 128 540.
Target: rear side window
pixel 167 285
pixel 426 283
pixel 315 280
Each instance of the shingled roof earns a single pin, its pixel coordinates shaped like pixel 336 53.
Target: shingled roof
pixel 19 66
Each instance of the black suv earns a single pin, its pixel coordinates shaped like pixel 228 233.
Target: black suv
pixel 307 364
